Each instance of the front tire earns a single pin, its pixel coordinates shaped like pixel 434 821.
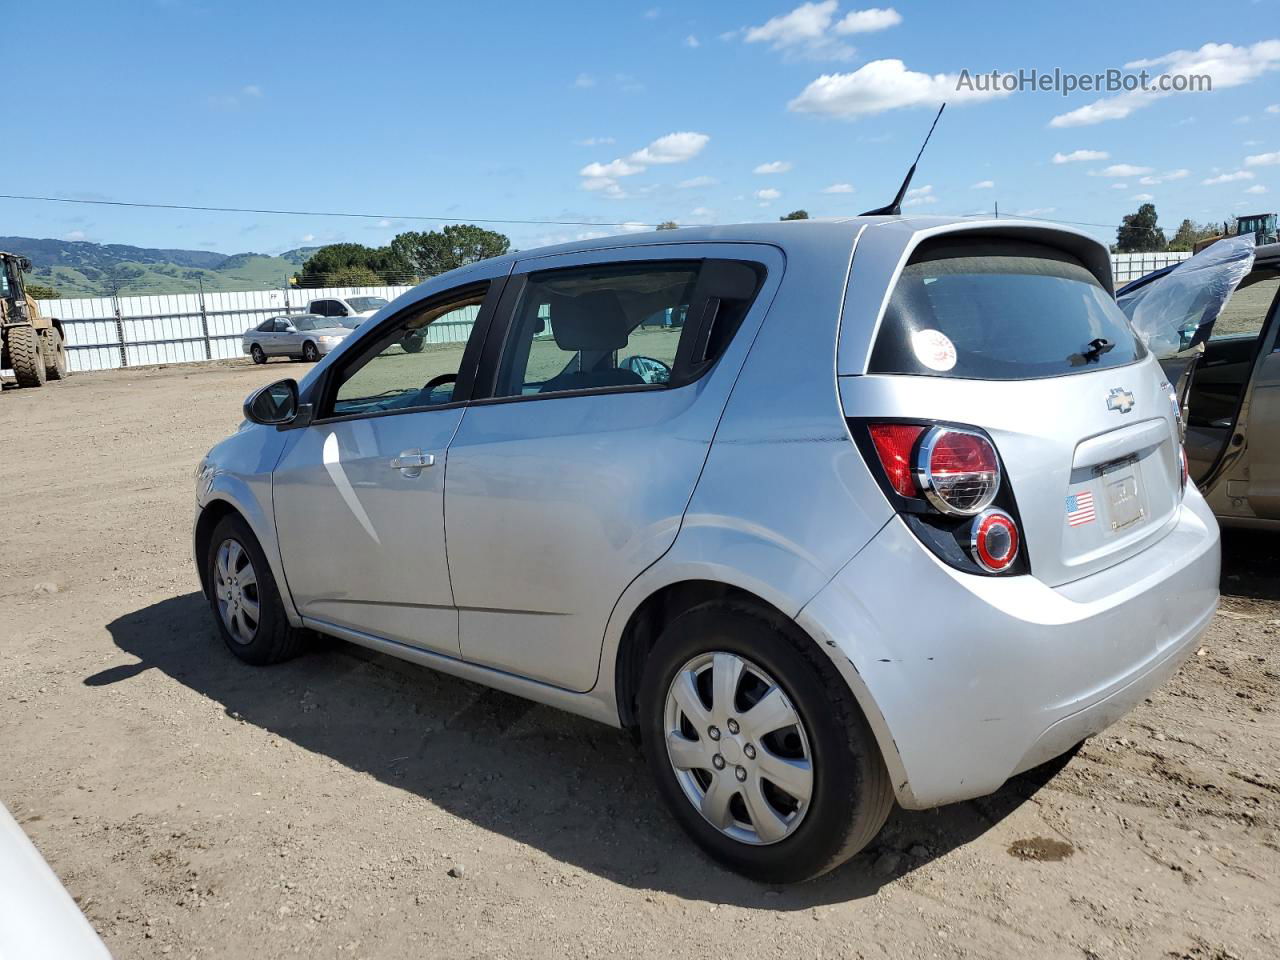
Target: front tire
pixel 25 356
pixel 310 352
pixel 258 355
pixel 242 593
pixel 757 745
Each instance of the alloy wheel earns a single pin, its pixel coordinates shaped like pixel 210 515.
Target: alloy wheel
pixel 738 748
pixel 235 585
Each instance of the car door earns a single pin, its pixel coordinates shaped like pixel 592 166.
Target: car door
pixel 572 476
pixel 284 340
pixel 265 336
pixel 359 493
pixel 1262 429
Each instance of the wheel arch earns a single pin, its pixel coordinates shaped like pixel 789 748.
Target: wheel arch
pixel 224 500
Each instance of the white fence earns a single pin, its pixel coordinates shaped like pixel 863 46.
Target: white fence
pixel 107 332
pixel 1131 266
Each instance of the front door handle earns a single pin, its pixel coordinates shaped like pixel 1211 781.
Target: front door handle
pixel 411 462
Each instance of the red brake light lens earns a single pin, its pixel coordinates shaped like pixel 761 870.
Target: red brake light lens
pixel 994 541
pixel 894 443
pixel 958 471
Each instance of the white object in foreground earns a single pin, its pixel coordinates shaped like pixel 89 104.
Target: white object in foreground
pixel 38 918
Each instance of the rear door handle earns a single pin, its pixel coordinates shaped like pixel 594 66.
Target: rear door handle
pixel 411 462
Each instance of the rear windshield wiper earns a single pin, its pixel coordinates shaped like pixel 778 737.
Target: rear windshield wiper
pixel 1096 348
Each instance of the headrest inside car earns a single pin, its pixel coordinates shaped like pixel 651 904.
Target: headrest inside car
pixel 592 321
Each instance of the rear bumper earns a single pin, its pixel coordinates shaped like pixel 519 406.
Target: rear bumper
pixel 968 680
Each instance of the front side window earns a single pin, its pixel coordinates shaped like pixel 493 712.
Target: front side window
pixel 282 325
pixel 413 363
pixel 1246 312
pixel 1000 310
pixel 364 304
pixel 321 308
pixel 591 328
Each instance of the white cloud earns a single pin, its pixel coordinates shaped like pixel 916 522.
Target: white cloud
pixel 1256 188
pixel 1164 177
pixel 73 235
pixel 983 185
pixel 777 166
pixel 920 196
pixel 614 168
pixel 1274 108
pixel 694 183
pixel 251 90
pixel 1119 186
pixel 768 194
pixel 1228 178
pixel 307 238
pixel 1142 197
pixel 802 32
pixel 883 85
pixel 1226 65
pixel 1076 156
pixel 702 212
pixel 1262 160
pixel 1243 119
pixel 692 42
pixel 868 21
pixel 1034 212
pixel 673 148
pixel 634 226
pixel 652 13
pixel 838 188
pixel 595 141
pixel 1120 170
pixel 584 80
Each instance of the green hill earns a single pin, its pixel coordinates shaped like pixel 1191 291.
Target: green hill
pixel 83 269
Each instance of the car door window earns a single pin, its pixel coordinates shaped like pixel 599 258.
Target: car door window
pixel 411 363
pixel 338 309
pixel 320 307
pixel 282 325
pixel 267 326
pixel 1246 311
pixel 593 328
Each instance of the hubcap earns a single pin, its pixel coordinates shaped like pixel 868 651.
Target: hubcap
pixel 235 584
pixel 738 748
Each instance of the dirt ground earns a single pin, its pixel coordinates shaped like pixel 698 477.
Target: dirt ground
pixel 197 807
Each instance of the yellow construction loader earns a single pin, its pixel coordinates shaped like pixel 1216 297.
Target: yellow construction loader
pixel 31 345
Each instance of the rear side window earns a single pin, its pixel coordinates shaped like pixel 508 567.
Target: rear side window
pixel 617 326
pixel 997 310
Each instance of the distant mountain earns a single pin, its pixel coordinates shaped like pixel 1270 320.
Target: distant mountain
pixel 77 268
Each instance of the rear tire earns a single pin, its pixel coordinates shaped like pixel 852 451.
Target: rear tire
pixel 258 356
pixel 247 606
pixel 849 795
pixel 25 356
pixel 55 355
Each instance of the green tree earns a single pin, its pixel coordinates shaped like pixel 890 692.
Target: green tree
pixel 38 291
pixel 437 251
pixel 1189 234
pixel 668 225
pixel 351 265
pixel 1139 232
pixel 796 215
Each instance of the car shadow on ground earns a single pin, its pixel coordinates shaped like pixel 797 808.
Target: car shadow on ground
pixel 1250 559
pixel 577 790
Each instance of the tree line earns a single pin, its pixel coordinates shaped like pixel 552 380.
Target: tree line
pixel 1141 232
pixel 410 257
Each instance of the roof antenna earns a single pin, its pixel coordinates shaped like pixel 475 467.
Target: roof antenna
pixel 895 209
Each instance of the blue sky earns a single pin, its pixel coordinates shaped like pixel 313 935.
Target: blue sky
pixel 626 113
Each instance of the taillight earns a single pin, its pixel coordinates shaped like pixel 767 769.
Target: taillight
pixel 947 484
pixel 895 443
pixel 993 540
pixel 958 471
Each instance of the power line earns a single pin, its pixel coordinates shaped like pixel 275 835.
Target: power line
pixel 326 213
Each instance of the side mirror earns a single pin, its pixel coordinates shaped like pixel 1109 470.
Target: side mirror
pixel 274 404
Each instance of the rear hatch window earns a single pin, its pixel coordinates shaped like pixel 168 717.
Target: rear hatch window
pixel 1000 310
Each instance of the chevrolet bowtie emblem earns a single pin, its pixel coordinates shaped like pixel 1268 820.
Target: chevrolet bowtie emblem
pixel 1120 400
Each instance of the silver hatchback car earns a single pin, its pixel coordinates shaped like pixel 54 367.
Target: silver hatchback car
pixel 830 514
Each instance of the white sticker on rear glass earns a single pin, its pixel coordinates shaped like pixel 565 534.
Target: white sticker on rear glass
pixel 934 349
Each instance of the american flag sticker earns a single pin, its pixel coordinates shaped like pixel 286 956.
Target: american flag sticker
pixel 1080 509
